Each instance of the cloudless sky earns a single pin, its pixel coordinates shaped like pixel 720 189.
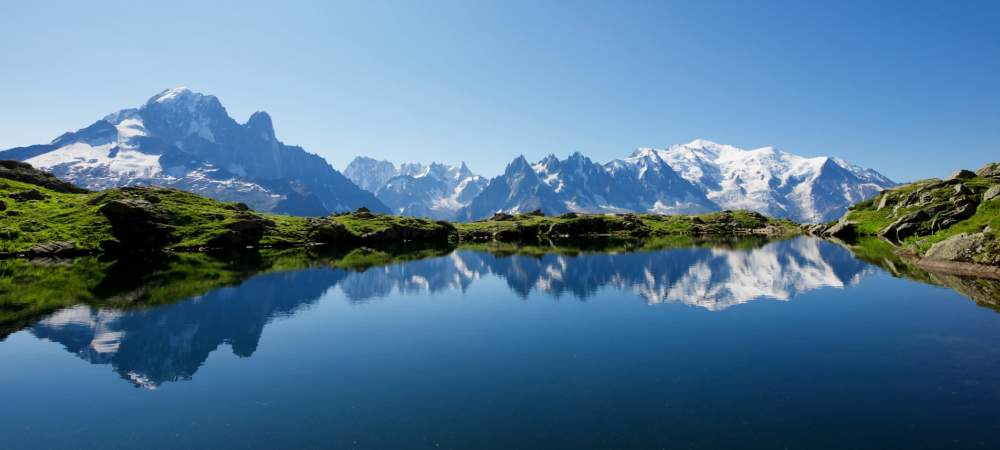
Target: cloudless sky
pixel 909 88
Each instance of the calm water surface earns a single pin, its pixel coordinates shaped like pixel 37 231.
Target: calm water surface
pixel 794 344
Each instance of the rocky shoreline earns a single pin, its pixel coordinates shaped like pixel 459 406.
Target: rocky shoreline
pixel 946 226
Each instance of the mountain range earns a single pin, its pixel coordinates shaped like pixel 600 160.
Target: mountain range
pixel 437 190
pixel 187 140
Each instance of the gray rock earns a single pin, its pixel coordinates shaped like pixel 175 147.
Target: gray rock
pixel 906 226
pixel 843 230
pixel 991 170
pixel 815 229
pixel 992 193
pixel 961 247
pixel 24 172
pixel 55 248
pixel 961 175
pixel 884 201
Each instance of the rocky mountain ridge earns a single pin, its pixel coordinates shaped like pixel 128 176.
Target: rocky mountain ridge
pixel 187 140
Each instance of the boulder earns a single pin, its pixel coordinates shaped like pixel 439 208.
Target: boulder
pixel 517 233
pixel 906 226
pixel 54 248
pixel 396 233
pixel 138 225
pixel 884 201
pixel 844 230
pixel 962 209
pixel 25 173
pixel 29 195
pixel 815 229
pixel 240 206
pixel 537 213
pixel 569 215
pixel 3 205
pixel 991 170
pixel 961 174
pixel 960 247
pixel 329 232
pixel 501 217
pixel 992 193
pixel 245 231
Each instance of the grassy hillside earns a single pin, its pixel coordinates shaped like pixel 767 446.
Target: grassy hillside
pixel 188 221
pixel 955 219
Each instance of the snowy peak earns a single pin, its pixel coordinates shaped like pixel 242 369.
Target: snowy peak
pixel 699 176
pixel 773 182
pixel 178 94
pixel 435 190
pixel 187 140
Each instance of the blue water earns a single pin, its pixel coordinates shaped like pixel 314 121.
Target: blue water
pixel 792 345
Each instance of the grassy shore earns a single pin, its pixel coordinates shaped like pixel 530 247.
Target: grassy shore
pixel 43 221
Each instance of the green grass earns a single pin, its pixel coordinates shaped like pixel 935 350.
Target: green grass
pixel 60 217
pixel 871 221
pixel 652 224
pixel 196 220
pixel 362 224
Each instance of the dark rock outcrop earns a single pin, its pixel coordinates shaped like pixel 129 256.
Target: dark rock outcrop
pixel 906 226
pixel 396 233
pixel 844 230
pixel 961 174
pixel 138 226
pixel 245 231
pixel 29 195
pixel 25 173
pixel 323 231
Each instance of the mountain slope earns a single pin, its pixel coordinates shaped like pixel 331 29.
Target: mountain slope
pixel 187 140
pixel 519 189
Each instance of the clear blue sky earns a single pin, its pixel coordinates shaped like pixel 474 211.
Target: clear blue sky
pixel 910 89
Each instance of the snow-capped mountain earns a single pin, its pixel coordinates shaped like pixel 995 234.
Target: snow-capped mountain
pixel 187 140
pixel 700 176
pixel 519 189
pixel 773 182
pixel 436 190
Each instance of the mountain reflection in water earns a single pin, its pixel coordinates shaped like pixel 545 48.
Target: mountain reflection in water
pixel 151 346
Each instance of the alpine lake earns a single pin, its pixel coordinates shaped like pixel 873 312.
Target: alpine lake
pixel 794 343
